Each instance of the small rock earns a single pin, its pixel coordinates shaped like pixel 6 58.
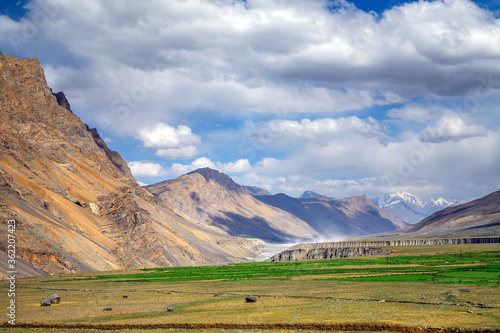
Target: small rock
pixel 469 311
pixel 52 299
pixel 107 309
pixel 170 309
pixel 250 299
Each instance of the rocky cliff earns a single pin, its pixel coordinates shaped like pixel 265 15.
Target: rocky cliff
pixel 76 205
pixel 216 201
pixel 330 250
pixel 327 253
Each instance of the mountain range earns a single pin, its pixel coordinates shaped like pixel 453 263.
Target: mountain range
pixel 77 207
pixel 410 208
pixel 216 201
pixel 477 218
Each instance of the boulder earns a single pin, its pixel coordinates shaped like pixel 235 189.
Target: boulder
pixel 250 299
pixel 170 309
pixel 52 299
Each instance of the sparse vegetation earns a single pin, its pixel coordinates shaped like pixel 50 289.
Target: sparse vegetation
pixel 427 290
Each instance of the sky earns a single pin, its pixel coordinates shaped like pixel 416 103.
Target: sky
pixel 341 98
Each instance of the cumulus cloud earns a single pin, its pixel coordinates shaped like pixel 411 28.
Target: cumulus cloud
pixel 419 113
pixel 282 56
pixel 181 153
pixel 175 62
pixel 451 128
pixel 173 143
pixel 165 136
pixel 146 169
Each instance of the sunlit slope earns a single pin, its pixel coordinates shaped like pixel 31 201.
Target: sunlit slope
pixel 77 206
pixel 215 200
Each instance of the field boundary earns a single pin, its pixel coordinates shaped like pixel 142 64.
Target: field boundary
pixel 296 326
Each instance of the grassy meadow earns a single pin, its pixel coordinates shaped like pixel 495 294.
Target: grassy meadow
pixel 445 286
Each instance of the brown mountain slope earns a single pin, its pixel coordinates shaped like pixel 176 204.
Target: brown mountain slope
pixel 335 218
pixel 76 205
pixel 215 200
pixel 477 218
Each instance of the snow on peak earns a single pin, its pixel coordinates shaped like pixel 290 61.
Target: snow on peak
pixel 400 196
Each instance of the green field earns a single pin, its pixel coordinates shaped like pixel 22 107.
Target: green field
pixel 437 287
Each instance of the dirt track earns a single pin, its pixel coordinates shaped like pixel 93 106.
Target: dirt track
pixel 309 326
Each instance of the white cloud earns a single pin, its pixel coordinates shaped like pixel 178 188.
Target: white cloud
pixel 146 169
pixel 152 62
pixel 451 128
pixel 171 61
pixel 173 143
pixel 164 136
pixel 417 112
pixel 180 153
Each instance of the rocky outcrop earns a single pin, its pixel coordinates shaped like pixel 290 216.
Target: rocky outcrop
pixel 76 205
pixel 401 242
pixel 317 253
pixel 330 250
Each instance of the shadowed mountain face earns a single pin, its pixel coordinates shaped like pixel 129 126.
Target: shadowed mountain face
pixel 478 218
pixel 76 205
pixel 334 218
pixel 216 201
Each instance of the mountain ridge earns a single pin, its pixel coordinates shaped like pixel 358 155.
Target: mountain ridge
pixel 476 218
pixel 408 207
pixel 218 203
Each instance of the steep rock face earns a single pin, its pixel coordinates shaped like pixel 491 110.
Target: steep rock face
pixel 346 249
pixel 215 200
pixel 333 218
pixel 328 253
pixel 76 204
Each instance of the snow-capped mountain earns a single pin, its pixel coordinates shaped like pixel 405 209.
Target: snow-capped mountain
pixel 387 199
pixel 410 208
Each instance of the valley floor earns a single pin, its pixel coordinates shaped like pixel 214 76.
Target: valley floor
pixel 438 288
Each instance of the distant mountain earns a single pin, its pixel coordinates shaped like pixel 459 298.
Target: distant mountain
pixel 410 208
pixel 477 218
pixel 254 190
pixel 311 194
pixel 217 202
pixel 333 218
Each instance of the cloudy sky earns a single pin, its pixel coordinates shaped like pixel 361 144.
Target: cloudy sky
pixel 343 98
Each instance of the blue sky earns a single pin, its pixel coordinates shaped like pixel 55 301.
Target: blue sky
pixel 343 98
